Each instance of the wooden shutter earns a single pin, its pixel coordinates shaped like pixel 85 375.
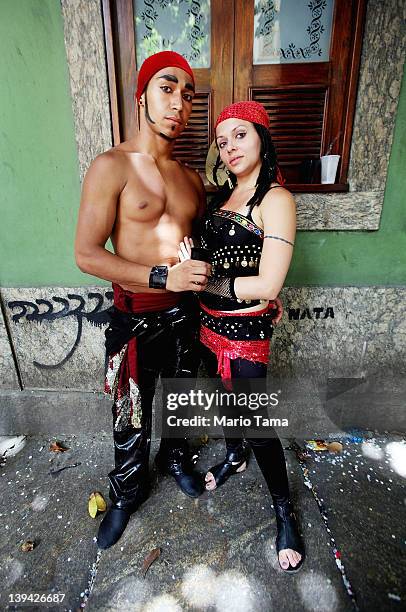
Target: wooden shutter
pixel 191 148
pixel 310 104
pixel 296 116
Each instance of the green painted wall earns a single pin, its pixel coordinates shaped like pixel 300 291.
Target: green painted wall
pixel 38 162
pixel 40 183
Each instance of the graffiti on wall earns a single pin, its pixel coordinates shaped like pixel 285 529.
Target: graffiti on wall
pixel 319 312
pixel 95 308
pixel 73 306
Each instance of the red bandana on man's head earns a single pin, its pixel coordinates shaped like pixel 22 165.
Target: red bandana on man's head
pixel 155 63
pixel 248 110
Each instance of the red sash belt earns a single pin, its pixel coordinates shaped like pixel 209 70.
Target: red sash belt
pixel 226 349
pixel 143 302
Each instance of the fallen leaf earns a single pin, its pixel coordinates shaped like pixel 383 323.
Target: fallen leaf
pixel 92 505
pixel 28 546
pixel 58 447
pixel 149 559
pixel 204 439
pixel 100 501
pixel 335 447
pixel 96 503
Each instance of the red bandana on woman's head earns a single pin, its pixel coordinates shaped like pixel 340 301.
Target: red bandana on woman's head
pixel 248 110
pixel 155 63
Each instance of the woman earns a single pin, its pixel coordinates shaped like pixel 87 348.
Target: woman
pixel 250 230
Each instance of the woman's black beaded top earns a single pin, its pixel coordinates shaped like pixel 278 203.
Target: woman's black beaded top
pixel 236 245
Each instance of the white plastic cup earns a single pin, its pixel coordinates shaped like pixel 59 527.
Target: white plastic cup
pixel 329 165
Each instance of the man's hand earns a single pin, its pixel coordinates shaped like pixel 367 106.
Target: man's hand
pixel 189 275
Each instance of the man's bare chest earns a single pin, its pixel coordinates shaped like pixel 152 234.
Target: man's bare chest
pixel 147 200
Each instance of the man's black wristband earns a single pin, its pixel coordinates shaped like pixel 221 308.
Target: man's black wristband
pixel 158 277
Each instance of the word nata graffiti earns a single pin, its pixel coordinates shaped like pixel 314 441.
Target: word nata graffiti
pixel 297 314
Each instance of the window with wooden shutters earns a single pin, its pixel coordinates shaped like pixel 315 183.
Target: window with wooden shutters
pixel 298 58
pixel 301 60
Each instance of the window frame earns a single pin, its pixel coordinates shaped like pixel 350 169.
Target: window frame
pixel 227 81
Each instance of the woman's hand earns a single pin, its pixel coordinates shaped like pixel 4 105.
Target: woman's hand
pixel 279 311
pixel 185 249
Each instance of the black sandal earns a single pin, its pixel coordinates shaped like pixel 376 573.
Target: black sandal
pixel 288 534
pixel 223 471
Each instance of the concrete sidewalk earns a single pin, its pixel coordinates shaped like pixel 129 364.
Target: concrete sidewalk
pixel 217 552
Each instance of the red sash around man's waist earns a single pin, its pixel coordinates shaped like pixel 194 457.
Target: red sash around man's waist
pixel 127 301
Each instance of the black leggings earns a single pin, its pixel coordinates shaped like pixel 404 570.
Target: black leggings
pixel 268 451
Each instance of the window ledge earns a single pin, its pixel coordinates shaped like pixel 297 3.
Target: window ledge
pixel 317 188
pixel 298 187
pixel 354 210
pixel 326 210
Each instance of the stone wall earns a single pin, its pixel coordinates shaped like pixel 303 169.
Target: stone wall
pixel 58 337
pixel 333 331
pixel 84 43
pixel 329 338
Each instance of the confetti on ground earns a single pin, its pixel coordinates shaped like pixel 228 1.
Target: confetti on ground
pixel 336 552
pixel 92 578
pixel 393 596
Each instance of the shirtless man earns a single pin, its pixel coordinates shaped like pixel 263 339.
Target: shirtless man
pixel 138 195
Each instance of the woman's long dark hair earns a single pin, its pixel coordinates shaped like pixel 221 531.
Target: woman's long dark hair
pixel 267 174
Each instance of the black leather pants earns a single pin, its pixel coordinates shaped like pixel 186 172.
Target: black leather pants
pixel 268 450
pixel 170 350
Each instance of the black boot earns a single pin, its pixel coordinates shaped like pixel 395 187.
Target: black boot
pixel 117 516
pixel 288 534
pixel 176 462
pixel 112 526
